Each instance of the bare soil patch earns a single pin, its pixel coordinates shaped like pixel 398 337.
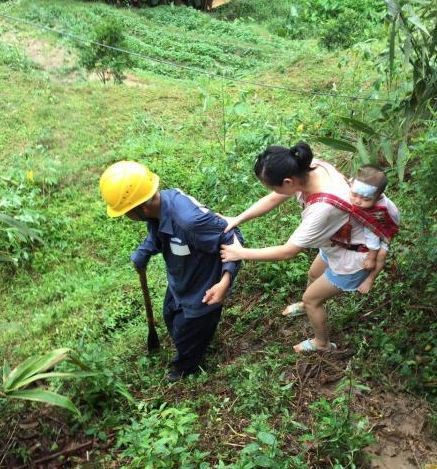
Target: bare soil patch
pixel 46 55
pixel 42 52
pixel 400 423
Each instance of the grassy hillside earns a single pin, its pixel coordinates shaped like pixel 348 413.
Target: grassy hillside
pixel 256 404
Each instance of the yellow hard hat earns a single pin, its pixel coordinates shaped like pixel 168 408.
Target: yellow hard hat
pixel 126 184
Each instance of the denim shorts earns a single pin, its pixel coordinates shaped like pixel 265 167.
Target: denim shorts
pixel 345 282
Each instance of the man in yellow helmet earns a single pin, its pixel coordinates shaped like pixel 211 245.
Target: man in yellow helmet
pixel 189 237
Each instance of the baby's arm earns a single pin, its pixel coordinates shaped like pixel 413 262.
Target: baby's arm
pixel 381 256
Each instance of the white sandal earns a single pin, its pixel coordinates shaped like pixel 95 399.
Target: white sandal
pixel 293 311
pixel 308 346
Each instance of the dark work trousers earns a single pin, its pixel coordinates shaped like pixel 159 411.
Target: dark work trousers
pixel 191 336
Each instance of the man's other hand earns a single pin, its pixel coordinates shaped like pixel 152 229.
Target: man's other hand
pixel 217 293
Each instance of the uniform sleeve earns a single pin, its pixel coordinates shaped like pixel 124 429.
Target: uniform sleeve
pixel 320 221
pixel 149 247
pixel 206 233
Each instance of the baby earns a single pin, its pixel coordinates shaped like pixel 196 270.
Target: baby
pixel 367 194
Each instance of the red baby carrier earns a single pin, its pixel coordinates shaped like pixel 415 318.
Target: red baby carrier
pixel 376 219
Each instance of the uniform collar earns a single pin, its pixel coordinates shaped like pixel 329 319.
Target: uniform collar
pixel 165 222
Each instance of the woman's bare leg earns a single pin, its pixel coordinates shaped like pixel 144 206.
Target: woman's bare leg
pixel 314 299
pixel 316 270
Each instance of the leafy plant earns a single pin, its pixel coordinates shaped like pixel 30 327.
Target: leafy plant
pixel 264 450
pixel 406 343
pixel 413 36
pixel 201 4
pixel 106 392
pixel 16 382
pixel 20 220
pixel 326 19
pixel 15 229
pixel 14 58
pixel 162 438
pixel 372 147
pixel 337 435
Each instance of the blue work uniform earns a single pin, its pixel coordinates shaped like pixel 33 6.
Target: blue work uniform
pixel 189 237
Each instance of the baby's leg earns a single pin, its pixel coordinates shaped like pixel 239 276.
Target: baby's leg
pixel 370 260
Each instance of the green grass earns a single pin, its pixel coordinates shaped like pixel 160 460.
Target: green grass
pixel 183 36
pixel 198 134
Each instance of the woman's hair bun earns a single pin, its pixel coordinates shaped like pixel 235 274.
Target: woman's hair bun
pixel 303 155
pixel 277 163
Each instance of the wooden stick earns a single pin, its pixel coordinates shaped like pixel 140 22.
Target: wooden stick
pixel 49 457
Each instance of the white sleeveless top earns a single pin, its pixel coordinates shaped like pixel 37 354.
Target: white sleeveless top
pixel 321 220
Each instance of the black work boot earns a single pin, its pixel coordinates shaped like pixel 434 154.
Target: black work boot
pixel 174 376
pixel 177 375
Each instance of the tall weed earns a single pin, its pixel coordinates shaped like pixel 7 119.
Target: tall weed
pixel 21 221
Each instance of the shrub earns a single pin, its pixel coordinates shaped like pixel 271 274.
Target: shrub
pixel 203 4
pixel 258 10
pixel 343 31
pixel 412 328
pixel 14 58
pixel 104 61
pixel 408 60
pixel 106 393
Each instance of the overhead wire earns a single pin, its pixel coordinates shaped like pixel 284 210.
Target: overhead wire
pixel 190 68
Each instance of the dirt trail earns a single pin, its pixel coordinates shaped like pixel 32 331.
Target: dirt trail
pixel 400 424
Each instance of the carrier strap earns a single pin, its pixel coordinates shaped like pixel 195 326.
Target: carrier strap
pixel 376 219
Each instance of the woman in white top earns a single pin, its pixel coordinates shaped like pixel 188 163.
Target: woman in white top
pixel 293 172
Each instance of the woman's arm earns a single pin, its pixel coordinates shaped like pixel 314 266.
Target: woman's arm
pixel 236 252
pixel 259 208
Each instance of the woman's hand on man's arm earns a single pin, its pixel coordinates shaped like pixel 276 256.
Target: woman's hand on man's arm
pixel 236 252
pixel 232 222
